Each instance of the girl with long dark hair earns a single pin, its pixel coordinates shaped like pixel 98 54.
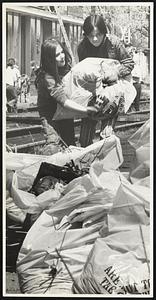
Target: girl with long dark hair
pixel 54 64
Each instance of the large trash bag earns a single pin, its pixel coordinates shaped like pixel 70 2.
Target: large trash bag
pixel 23 178
pixel 85 193
pixel 130 206
pixel 16 214
pixel 85 81
pixel 108 151
pixel 118 264
pixel 141 136
pixel 13 211
pixel 38 259
pixel 140 168
pixel 19 161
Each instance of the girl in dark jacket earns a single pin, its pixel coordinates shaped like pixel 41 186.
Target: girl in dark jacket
pixel 55 63
pixel 97 43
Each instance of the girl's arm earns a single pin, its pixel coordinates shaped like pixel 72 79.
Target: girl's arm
pixel 57 92
pixel 85 111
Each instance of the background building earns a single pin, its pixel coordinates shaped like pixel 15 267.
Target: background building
pixel 27 27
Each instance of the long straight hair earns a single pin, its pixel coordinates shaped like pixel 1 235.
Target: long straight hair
pixel 48 60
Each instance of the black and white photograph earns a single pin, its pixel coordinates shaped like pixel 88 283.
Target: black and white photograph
pixel 77 113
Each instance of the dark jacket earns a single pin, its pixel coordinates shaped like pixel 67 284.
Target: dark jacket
pixel 49 94
pixel 111 47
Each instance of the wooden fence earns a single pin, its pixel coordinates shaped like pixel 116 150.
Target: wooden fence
pixel 27 27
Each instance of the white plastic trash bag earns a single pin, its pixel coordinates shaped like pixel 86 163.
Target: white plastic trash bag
pixel 14 212
pixel 37 256
pixel 17 161
pixel 141 173
pixel 27 201
pixel 118 264
pixel 103 177
pixel 85 81
pixel 143 181
pixel 72 197
pixel 130 207
pixel 141 136
pixel 86 194
pixel 30 162
pixel 140 168
pixel 23 179
pixel 108 151
pixel 143 153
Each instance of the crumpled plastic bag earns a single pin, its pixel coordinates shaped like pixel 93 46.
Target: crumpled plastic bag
pixel 23 178
pixel 18 161
pixel 145 181
pixel 85 195
pixel 14 212
pixel 130 207
pixel 85 80
pixel 141 173
pixel 37 256
pixel 88 74
pixel 141 136
pixel 118 264
pixel 29 202
pixel 140 168
pixel 108 151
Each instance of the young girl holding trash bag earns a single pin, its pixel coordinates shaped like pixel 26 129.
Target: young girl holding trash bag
pixel 97 43
pixel 54 64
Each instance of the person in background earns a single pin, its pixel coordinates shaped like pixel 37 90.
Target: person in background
pixel 97 43
pixel 12 83
pixel 18 76
pixel 55 62
pixel 136 76
pixel 34 68
pixel 137 80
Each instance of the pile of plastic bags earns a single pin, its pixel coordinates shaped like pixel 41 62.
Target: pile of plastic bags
pixel 92 236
